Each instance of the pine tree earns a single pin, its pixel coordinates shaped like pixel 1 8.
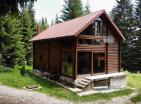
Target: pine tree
pixel 11 47
pixel 27 32
pixel 137 39
pixel 43 24
pixel 122 15
pixel 87 8
pixel 57 19
pixel 72 9
pixel 12 6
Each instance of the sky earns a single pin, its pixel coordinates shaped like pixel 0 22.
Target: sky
pixel 49 8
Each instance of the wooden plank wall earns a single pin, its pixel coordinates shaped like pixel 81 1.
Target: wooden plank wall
pixel 40 54
pixel 48 54
pixel 54 56
pixel 113 62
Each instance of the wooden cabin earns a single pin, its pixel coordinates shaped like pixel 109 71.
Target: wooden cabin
pixel 85 46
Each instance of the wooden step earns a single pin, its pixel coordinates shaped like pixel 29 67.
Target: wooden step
pixel 84 83
pixel 86 80
pixel 80 86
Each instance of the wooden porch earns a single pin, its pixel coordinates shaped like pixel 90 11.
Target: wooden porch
pixel 109 81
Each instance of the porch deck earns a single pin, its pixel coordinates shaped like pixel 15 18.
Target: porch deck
pixel 105 76
pixel 111 80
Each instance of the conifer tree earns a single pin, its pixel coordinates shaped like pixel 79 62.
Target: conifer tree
pixel 43 24
pixel 12 6
pixel 137 38
pixel 27 32
pixel 11 45
pixel 87 8
pixel 122 15
pixel 57 19
pixel 72 9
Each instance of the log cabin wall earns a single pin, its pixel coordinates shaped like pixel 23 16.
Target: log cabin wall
pixel 40 54
pixel 54 56
pixel 47 54
pixel 113 57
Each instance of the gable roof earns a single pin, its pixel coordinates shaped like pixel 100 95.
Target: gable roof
pixel 73 27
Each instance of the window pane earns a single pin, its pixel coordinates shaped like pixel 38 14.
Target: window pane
pixel 98 42
pixel 104 29
pixel 99 63
pixel 67 66
pixel 84 63
pixel 85 41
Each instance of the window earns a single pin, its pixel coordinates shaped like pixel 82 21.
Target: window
pixel 98 42
pixel 97 27
pixel 67 64
pixel 85 41
pixel 99 62
pixel 84 63
pixel 104 29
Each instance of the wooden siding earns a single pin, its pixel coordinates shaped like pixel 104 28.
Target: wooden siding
pixel 54 56
pixel 40 55
pixel 113 57
pixel 47 54
pixel 93 48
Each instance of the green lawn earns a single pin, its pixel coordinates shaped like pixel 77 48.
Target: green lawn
pixel 134 80
pixel 14 79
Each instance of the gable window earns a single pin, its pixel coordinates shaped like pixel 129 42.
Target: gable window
pixel 98 28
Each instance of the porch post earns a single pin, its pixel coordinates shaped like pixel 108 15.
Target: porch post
pixel 106 59
pixel 119 57
pixel 92 64
pixel 106 63
pixel 75 60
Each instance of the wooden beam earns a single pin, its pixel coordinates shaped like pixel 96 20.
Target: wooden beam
pixel 106 57
pixel 92 64
pixel 33 52
pixel 75 60
pixel 119 57
pixel 106 48
pixel 89 37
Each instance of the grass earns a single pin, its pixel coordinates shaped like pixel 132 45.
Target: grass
pixel 14 79
pixel 134 80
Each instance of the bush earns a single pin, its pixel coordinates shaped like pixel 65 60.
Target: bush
pixel 23 71
pixel 5 69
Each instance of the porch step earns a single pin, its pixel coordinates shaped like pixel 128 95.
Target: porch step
pixel 86 80
pixel 83 83
pixel 80 86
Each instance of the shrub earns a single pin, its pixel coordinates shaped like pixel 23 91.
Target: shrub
pixel 23 71
pixel 5 69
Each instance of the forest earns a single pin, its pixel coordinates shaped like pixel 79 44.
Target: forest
pixel 18 26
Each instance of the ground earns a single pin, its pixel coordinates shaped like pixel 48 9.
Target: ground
pixel 54 92
pixel 9 95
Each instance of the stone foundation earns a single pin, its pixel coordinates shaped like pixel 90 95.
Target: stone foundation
pixel 118 82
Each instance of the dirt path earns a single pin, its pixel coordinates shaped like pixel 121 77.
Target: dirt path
pixel 17 96
pixel 10 95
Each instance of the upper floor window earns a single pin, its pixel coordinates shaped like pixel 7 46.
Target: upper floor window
pixel 97 28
